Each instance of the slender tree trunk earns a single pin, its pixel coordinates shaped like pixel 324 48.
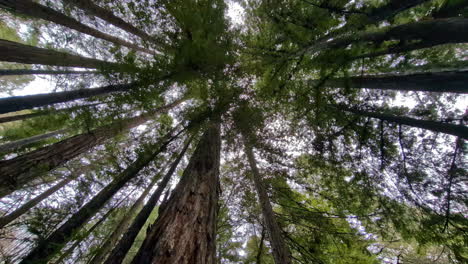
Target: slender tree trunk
pixel 442 82
pixel 438 127
pixel 44 72
pixel 90 7
pixel 260 247
pixel 120 251
pixel 17 172
pixel 185 231
pixel 50 246
pixel 20 53
pixel 281 252
pixel 5 220
pixel 33 9
pixel 26 141
pixel 16 103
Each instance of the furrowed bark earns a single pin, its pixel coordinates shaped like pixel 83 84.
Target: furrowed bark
pixel 50 246
pixel 281 252
pixel 90 7
pixel 20 53
pixel 185 231
pixel 42 72
pixel 438 127
pixel 26 141
pixel 441 82
pixel 35 10
pixel 120 251
pixel 17 103
pixel 17 172
pixel 5 220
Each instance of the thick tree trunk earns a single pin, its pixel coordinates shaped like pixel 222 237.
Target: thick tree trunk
pixel 441 82
pixel 281 252
pixel 50 246
pixel 90 7
pixel 26 141
pixel 16 103
pixel 33 9
pixel 20 53
pixel 5 220
pixel 23 169
pixel 185 231
pixel 44 72
pixel 438 127
pixel 120 251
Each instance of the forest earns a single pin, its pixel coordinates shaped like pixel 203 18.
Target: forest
pixel 233 131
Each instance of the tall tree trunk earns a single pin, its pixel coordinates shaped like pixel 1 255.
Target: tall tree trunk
pixel 16 103
pixel 45 72
pixel 185 231
pixel 120 251
pixel 442 82
pixel 281 252
pixel 33 9
pixel 438 127
pixel 5 220
pixel 20 53
pixel 50 246
pixel 17 172
pixel 123 224
pixel 90 7
pixel 26 141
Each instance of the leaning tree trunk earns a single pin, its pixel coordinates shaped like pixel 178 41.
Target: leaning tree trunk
pixel 185 231
pixel 90 7
pixel 42 72
pixel 50 246
pixel 19 171
pixel 281 252
pixel 26 141
pixel 17 103
pixel 5 220
pixel 20 53
pixel 120 251
pixel 441 82
pixel 33 9
pixel 438 127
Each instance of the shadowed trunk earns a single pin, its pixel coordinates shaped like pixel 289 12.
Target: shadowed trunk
pixel 20 53
pixel 185 231
pixel 35 10
pixel 26 141
pixel 438 127
pixel 17 103
pixel 120 251
pixel 5 220
pixel 50 246
pixel 17 172
pixel 281 252
pixel 90 7
pixel 442 82
pixel 44 72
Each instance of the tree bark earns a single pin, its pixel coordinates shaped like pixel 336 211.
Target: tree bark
pixel 441 82
pixel 33 9
pixel 17 172
pixel 185 231
pixel 20 53
pixel 17 103
pixel 45 72
pixel 50 246
pixel 281 252
pixel 438 127
pixel 26 141
pixel 90 7
pixel 5 220
pixel 120 251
